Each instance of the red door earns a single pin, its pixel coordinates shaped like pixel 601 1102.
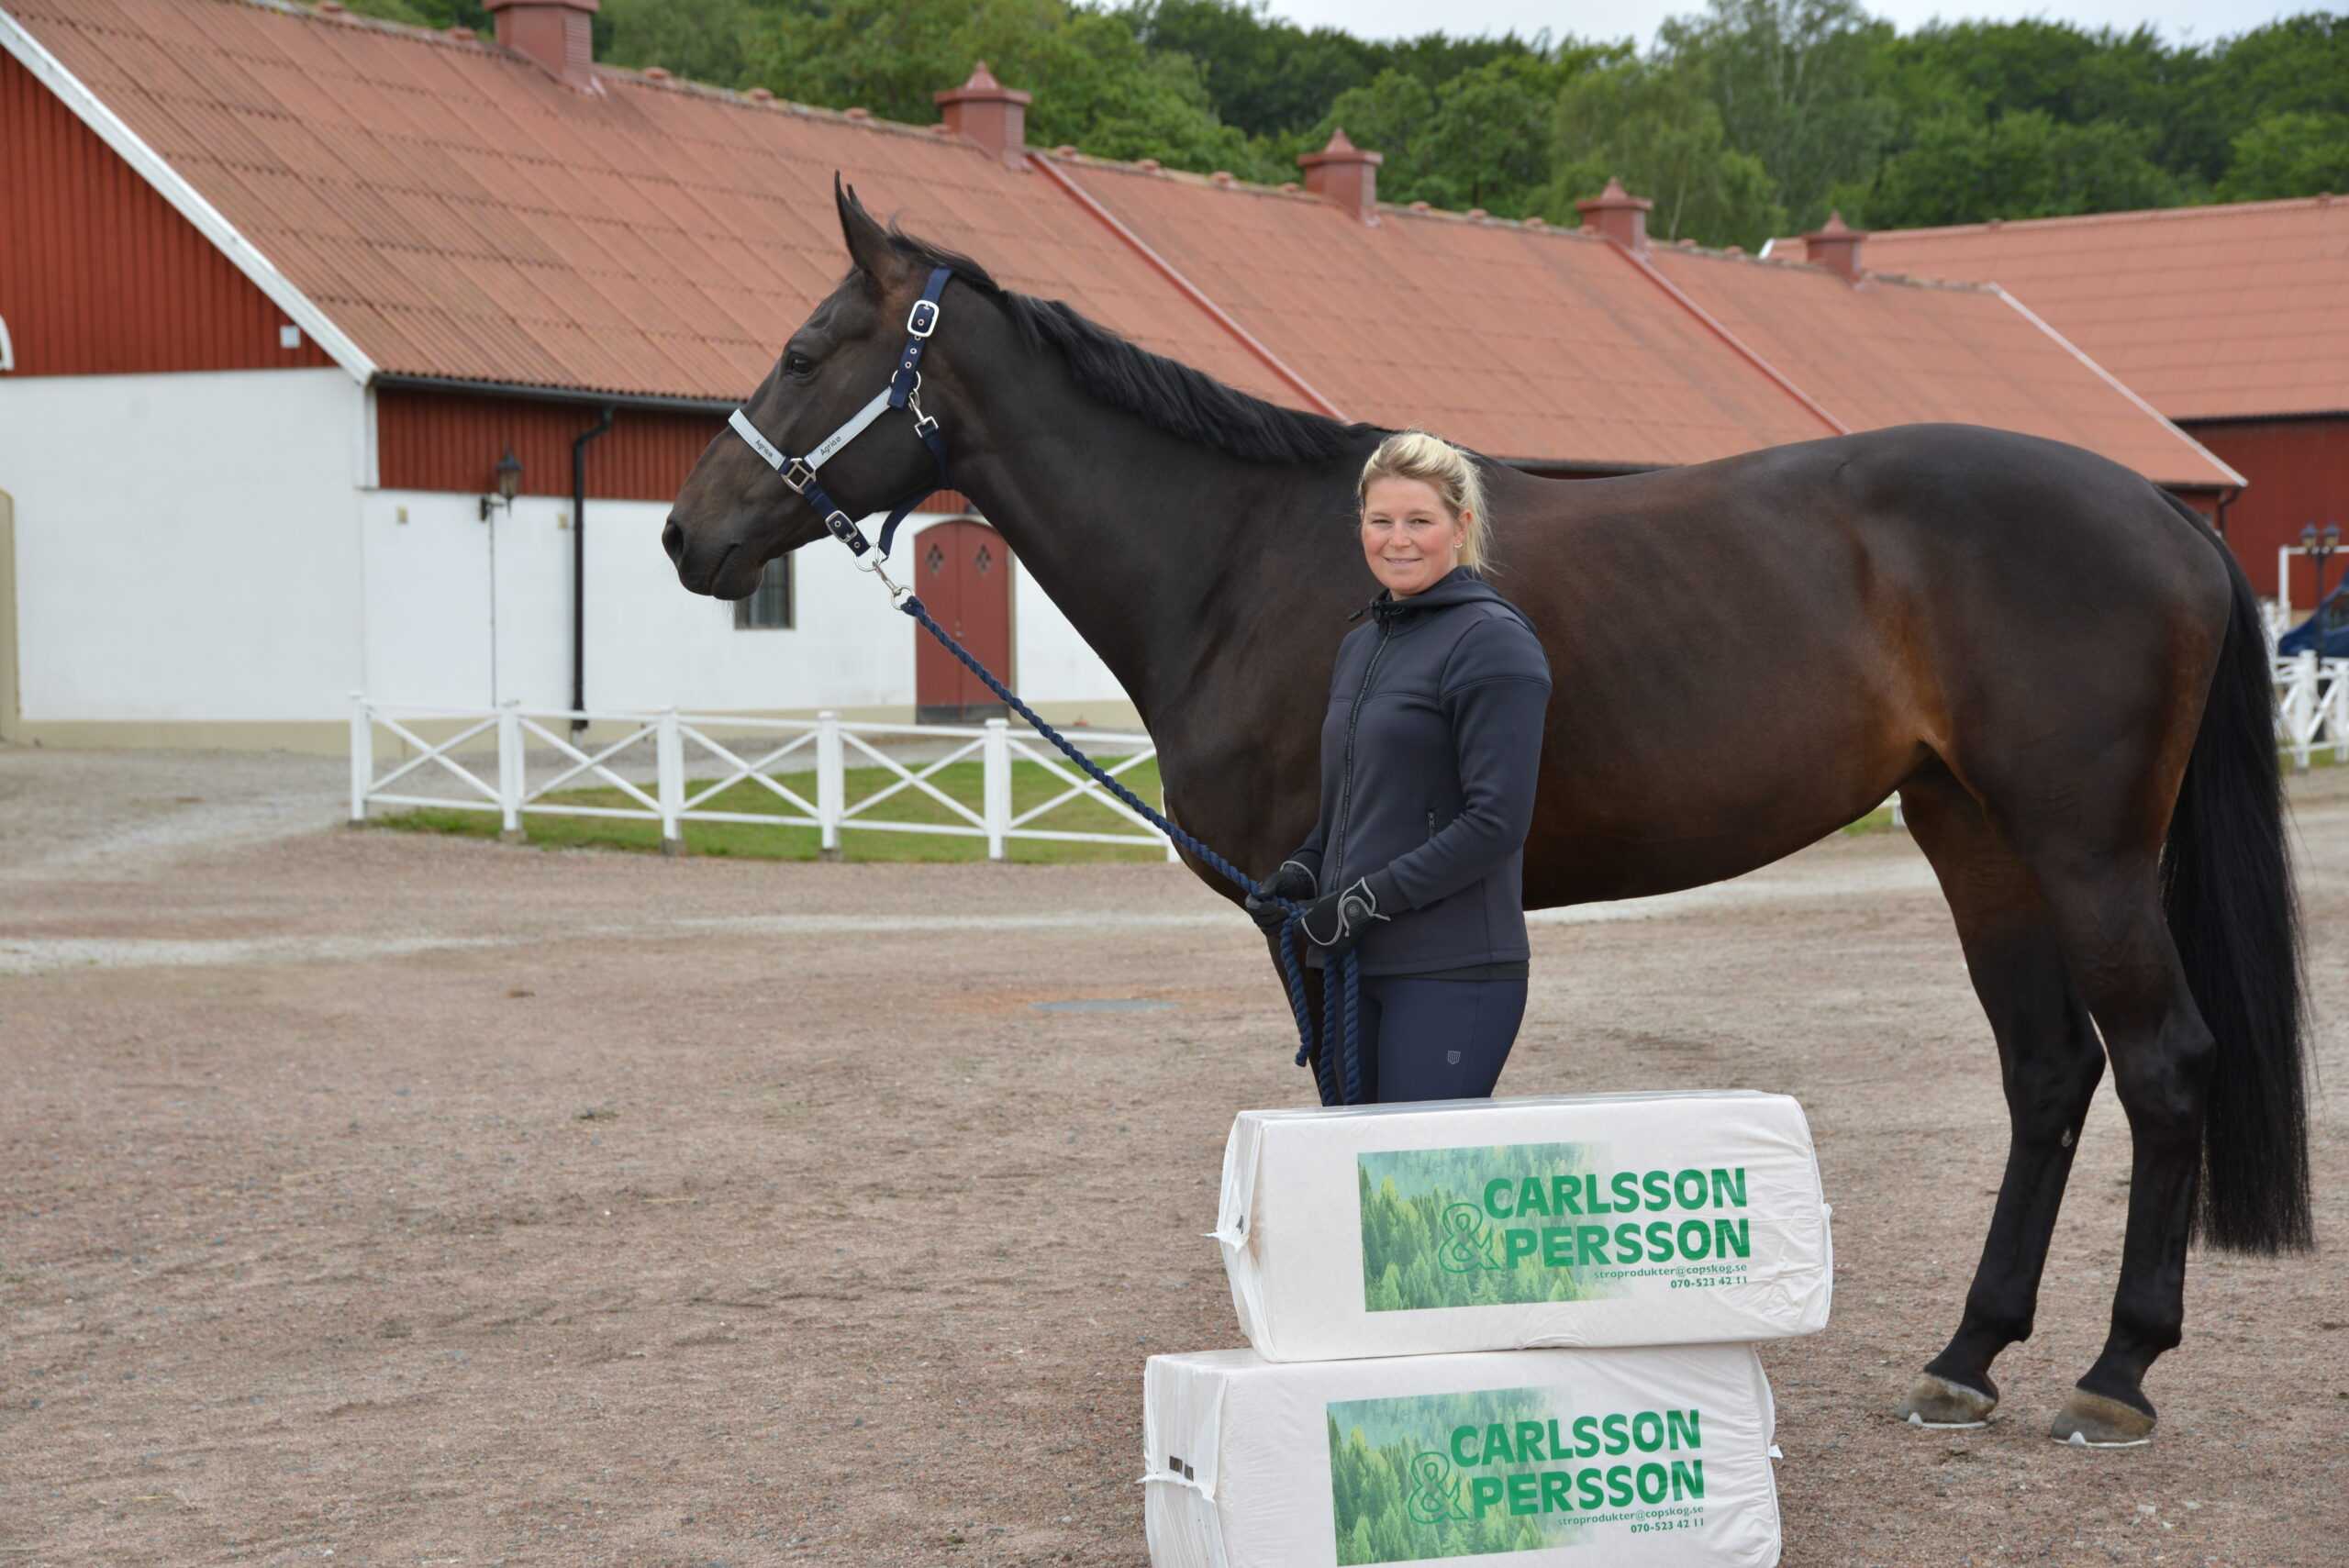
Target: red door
pixel 963 573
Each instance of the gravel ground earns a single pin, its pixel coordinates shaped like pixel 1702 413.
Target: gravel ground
pixel 403 1200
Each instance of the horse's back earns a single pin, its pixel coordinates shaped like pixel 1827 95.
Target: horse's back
pixel 1752 653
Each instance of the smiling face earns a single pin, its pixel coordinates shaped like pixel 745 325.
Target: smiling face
pixel 1408 536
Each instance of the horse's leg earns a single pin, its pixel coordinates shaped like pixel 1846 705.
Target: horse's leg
pixel 2109 915
pixel 2049 1062
pixel 1312 1006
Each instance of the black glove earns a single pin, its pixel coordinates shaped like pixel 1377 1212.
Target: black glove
pixel 1292 882
pixel 1336 922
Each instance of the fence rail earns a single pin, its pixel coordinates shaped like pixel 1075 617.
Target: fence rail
pixel 2311 715
pixel 2311 707
pixel 509 790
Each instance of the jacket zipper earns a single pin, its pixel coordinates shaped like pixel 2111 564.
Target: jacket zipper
pixel 1346 785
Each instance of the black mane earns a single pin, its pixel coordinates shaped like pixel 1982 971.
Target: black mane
pixel 1163 393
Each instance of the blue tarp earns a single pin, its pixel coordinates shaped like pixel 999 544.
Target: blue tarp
pixel 2334 611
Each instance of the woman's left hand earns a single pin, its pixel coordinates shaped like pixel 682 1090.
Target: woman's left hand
pixel 1336 922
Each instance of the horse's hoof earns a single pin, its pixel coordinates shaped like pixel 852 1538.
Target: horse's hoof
pixel 2092 1420
pixel 1938 1403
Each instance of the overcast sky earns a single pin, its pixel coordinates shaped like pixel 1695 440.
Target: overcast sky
pixel 2199 20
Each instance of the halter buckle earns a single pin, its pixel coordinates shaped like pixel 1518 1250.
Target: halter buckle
pixel 844 529
pixel 922 319
pixel 799 476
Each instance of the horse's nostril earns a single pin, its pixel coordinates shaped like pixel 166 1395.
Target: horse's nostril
pixel 672 539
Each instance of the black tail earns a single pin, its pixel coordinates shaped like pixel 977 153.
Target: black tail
pixel 2227 889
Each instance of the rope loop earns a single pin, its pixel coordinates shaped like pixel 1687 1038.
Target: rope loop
pixel 1337 1067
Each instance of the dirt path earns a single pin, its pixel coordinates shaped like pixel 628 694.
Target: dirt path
pixel 392 1200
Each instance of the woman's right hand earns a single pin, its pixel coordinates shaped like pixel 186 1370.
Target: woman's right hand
pixel 1292 882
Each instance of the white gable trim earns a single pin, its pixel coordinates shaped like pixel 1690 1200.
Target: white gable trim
pixel 189 202
pixel 2115 383
pixel 7 349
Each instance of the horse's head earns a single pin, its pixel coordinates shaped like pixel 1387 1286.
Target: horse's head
pixel 735 513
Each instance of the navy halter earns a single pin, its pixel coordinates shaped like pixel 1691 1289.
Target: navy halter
pixel 904 391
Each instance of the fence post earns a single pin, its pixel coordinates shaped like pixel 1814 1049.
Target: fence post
pixel 994 777
pixel 831 785
pixel 512 770
pixel 669 764
pixel 2336 706
pixel 363 757
pixel 2305 671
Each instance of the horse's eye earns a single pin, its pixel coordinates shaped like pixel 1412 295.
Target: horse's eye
pixel 796 363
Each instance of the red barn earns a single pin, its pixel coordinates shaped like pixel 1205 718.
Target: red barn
pixel 284 287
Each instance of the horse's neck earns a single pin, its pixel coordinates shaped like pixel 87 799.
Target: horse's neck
pixel 1146 542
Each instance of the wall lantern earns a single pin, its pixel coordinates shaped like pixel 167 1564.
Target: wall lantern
pixel 509 484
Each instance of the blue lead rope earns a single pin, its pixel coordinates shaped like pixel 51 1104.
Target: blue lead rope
pixel 1338 1068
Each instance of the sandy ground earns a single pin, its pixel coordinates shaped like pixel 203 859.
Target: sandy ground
pixel 398 1200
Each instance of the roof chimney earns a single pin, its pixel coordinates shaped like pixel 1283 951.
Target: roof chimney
pixel 1345 174
pixel 986 111
pixel 1836 247
pixel 1618 215
pixel 555 33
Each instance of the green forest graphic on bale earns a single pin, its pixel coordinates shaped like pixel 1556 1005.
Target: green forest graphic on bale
pixel 1540 1222
pixel 1473 1473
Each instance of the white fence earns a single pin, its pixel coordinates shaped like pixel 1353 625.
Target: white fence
pixel 2311 714
pixel 507 789
pixel 2313 706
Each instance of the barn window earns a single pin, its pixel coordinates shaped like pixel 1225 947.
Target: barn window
pixel 7 349
pixel 769 606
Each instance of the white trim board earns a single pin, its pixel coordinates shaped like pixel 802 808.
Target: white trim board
pixel 184 197
pixel 2115 383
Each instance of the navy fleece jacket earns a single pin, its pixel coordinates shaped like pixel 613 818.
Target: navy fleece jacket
pixel 1429 749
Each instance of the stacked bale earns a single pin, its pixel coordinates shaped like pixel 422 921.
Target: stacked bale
pixel 1405 1276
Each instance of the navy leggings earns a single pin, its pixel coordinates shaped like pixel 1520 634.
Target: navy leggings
pixel 1436 1040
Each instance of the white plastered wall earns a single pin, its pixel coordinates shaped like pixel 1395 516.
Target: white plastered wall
pixel 650 644
pixel 185 544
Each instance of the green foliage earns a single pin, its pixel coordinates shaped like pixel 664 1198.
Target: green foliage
pixel 2290 154
pixel 702 41
pixel 1650 126
pixel 2020 165
pixel 1264 77
pixel 1795 88
pixel 427 12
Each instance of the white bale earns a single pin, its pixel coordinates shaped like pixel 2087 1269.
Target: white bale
pixel 1486 1225
pixel 1659 1458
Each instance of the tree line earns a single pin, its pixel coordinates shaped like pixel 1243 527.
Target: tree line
pixel 1745 118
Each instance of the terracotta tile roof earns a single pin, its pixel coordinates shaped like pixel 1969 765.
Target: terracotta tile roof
pixel 1526 343
pixel 1893 353
pixel 2208 312
pixel 458 213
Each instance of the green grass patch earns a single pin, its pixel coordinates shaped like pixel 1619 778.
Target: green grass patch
pixel 1030 786
pixel 1877 821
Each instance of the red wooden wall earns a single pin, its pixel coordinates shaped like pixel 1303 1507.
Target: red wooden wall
pixel 448 440
pixel 2298 471
pixel 98 274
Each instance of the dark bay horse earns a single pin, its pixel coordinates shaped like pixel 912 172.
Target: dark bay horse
pixel 2059 667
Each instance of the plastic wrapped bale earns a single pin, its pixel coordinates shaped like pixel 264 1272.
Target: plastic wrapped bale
pixel 1656 1457
pixel 1486 1225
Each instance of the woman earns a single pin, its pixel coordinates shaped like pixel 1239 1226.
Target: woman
pixel 1429 753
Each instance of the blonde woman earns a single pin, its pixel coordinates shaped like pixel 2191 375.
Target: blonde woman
pixel 1429 752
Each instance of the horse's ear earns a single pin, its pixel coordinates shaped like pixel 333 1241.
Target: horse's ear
pixel 868 242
